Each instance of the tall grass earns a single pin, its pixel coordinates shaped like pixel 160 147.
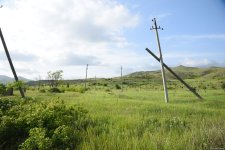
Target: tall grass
pixel 140 119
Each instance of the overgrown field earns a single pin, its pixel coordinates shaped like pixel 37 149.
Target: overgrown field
pixel 111 116
pixel 138 118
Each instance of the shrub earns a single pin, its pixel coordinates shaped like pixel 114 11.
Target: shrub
pixel 37 140
pixel 67 85
pixel 42 91
pixel 80 89
pixel 55 90
pixel 2 89
pixel 41 125
pixel 108 90
pixel 118 87
pixel 6 90
pixel 6 104
pixel 63 136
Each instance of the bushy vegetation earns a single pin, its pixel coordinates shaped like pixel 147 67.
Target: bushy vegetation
pixel 5 89
pixel 55 90
pixel 42 90
pixel 132 119
pixel 117 87
pixel 2 89
pixel 28 124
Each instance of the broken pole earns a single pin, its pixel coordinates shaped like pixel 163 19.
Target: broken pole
pixel 161 59
pixel 171 71
pixel 10 62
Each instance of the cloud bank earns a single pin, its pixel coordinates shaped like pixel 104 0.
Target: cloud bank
pixel 46 35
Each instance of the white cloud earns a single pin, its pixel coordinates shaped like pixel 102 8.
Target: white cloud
pixel 196 37
pixel 163 16
pixel 198 62
pixel 160 17
pixel 56 34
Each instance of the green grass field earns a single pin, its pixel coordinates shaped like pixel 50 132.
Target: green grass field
pixel 140 119
pixel 132 119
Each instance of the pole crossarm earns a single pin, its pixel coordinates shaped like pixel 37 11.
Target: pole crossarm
pixel 171 71
pixel 10 62
pixel 156 27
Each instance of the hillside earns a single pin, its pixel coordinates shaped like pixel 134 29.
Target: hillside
pixel 5 79
pixel 143 77
pixel 184 72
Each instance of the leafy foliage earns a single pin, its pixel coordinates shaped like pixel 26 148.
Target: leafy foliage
pixel 37 140
pixel 14 85
pixel 41 125
pixel 2 88
pixel 42 91
pixel 54 78
pixel 117 86
pixel 55 90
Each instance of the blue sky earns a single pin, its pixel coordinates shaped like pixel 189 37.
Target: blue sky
pixel 195 29
pixel 49 35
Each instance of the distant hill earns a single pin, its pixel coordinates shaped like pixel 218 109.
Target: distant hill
pixel 5 79
pixel 143 76
pixel 184 72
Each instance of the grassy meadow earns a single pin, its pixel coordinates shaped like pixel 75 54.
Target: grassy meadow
pixel 138 118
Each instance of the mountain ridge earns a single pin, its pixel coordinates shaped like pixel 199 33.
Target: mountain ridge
pixel 184 72
pixel 6 79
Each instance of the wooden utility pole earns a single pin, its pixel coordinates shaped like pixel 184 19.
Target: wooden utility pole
pixel 121 77
pixel 10 62
pixel 86 77
pixel 155 27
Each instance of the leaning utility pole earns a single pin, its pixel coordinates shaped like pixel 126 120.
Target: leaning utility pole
pixel 86 77
pixel 155 27
pixel 10 62
pixel 171 71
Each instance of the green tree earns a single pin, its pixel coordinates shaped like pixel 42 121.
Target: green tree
pixel 54 78
pixel 41 125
